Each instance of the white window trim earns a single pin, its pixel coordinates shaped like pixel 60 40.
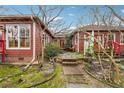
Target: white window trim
pixel 121 33
pixel 17 48
pixel 114 37
pixel 103 40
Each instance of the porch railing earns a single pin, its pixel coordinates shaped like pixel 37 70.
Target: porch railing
pixel 117 48
pixel 2 51
pixel 115 45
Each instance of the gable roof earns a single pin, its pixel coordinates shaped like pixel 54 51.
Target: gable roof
pixel 24 18
pixel 101 27
pixel 97 28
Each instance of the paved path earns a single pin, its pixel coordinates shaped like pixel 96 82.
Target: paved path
pixel 72 70
pixel 76 77
pixel 71 55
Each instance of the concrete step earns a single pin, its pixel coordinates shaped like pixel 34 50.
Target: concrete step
pixel 70 63
pixel 69 60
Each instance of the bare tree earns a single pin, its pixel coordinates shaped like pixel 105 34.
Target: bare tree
pixel 105 18
pixel 115 14
pixel 3 9
pixel 50 16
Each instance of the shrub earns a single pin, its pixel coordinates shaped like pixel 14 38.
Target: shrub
pixel 52 50
pixel 68 43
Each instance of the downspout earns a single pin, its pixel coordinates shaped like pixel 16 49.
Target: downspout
pixel 33 59
pixel 34 28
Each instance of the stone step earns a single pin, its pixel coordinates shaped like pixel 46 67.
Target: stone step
pixel 69 63
pixel 69 60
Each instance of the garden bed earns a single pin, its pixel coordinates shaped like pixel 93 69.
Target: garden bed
pixel 93 68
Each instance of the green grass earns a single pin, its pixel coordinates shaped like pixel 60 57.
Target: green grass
pixel 56 82
pixel 29 77
pixel 32 76
pixel 6 70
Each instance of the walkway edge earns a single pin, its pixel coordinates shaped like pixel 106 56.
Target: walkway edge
pixel 99 79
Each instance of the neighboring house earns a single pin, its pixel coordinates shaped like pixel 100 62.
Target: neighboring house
pixel 21 38
pixel 60 40
pixel 47 38
pixel 81 41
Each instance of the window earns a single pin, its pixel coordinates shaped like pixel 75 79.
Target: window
pixel 111 37
pixel 13 36
pixel 18 36
pixel 24 36
pixel 43 39
pixel 46 39
pixel 122 38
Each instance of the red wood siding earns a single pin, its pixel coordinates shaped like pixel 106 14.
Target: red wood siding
pixel 81 41
pixel 60 41
pixel 38 41
pixel 19 55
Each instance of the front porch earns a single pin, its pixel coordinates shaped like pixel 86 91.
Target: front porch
pixel 102 43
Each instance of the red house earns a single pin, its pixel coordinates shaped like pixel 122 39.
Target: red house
pixel 82 40
pixel 21 38
pixel 60 40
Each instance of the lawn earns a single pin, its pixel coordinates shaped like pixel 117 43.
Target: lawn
pixel 57 82
pixel 15 78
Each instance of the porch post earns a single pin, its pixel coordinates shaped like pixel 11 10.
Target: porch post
pixel 92 40
pixel 84 44
pixel 78 43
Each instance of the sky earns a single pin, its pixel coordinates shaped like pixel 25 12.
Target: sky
pixel 70 14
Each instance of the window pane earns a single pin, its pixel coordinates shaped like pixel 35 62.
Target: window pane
pixel 27 32
pixel 22 32
pixel 111 37
pixel 13 42
pixel 13 36
pixel 122 38
pixel 24 36
pixel 24 42
pixel 13 31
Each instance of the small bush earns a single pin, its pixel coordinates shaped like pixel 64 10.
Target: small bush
pixel 52 50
